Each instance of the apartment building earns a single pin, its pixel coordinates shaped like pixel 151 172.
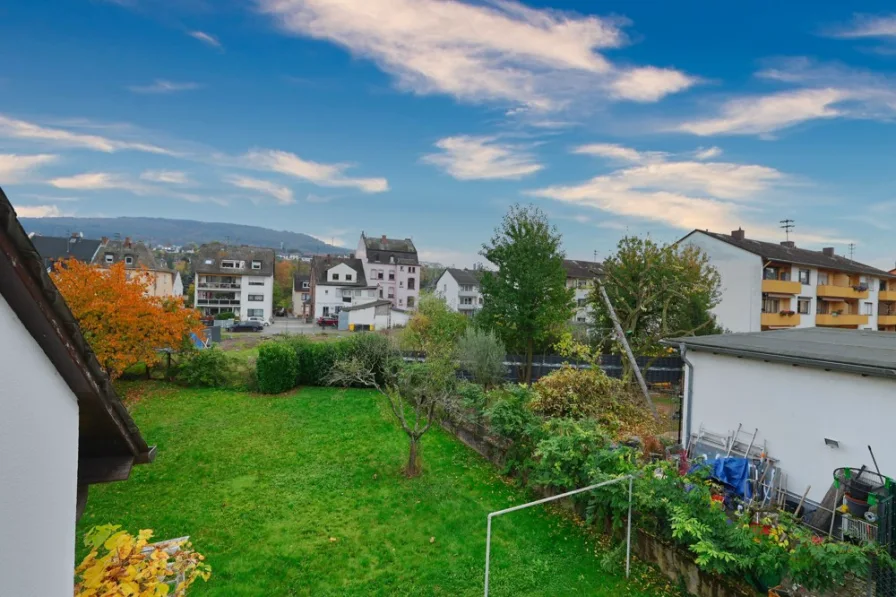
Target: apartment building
pixel 59 248
pixel 580 276
pixel 338 283
pixel 391 265
pixel 767 286
pixel 460 289
pixel 136 256
pixel 234 279
pixel 301 295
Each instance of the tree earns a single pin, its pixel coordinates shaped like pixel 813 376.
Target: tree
pixel 284 270
pixel 482 354
pixel 526 299
pixel 658 291
pixel 123 325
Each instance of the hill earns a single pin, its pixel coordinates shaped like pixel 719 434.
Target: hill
pixel 179 232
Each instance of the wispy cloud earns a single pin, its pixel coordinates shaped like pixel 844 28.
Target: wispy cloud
pixel 63 137
pixel 865 26
pixel 281 193
pixel 498 51
pixel 482 158
pixel 619 153
pixel 206 38
pixel 160 86
pixel 96 181
pixel 325 175
pixel 14 168
pixel 166 176
pixel 708 153
pixel 38 211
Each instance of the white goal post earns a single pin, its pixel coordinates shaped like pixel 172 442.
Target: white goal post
pixel 628 530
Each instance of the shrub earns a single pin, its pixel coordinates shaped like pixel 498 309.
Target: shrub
pixel 225 315
pixel 565 455
pixel 482 355
pixel 207 368
pixel 373 351
pixel 277 367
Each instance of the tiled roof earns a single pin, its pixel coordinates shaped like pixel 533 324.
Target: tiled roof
pixel 391 250
pixel 208 260
pixel 576 268
pixel 796 256
pixel 463 276
pixel 298 279
pixel 119 249
pixel 55 248
pixel 321 264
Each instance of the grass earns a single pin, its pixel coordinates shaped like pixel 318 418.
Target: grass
pixel 301 494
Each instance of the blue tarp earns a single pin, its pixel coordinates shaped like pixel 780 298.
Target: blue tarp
pixel 197 341
pixel 733 472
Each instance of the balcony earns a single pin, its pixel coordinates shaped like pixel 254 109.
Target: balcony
pixel 780 320
pixel 887 295
pixel 844 292
pixel 216 302
pixel 471 293
pixel 886 319
pixel 466 307
pixel 842 319
pixel 781 286
pixel 219 285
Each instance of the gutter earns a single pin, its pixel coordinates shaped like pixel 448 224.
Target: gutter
pixel 685 424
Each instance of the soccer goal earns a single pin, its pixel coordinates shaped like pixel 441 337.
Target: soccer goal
pixel 628 530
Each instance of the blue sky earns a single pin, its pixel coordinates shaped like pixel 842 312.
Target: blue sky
pixel 428 118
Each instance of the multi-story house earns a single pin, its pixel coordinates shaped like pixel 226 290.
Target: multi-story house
pixel 338 283
pixel 136 256
pixel 301 295
pixel 580 276
pixel 460 289
pixel 234 279
pixel 766 286
pixel 391 265
pixel 56 248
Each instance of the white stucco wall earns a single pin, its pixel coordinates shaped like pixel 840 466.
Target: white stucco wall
pixel 448 288
pixel 265 289
pixel 38 468
pixel 399 285
pixel 795 409
pixel 740 307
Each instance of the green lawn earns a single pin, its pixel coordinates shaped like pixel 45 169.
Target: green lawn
pixel 301 495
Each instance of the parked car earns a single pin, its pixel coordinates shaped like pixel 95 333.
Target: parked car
pixel 247 326
pixel 328 321
pixel 260 320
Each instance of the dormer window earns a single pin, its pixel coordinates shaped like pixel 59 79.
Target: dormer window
pixel 256 265
pixel 129 260
pixel 109 257
pixel 229 264
pixel 348 277
pixel 305 284
pixel 334 276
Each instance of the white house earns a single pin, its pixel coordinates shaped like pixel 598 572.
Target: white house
pixel 63 427
pixel 391 265
pixel 766 286
pixel 580 276
pixel 338 283
pixel 237 279
pixel 818 397
pixel 460 289
pixel 379 314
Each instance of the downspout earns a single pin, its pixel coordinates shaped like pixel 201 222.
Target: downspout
pixel 689 395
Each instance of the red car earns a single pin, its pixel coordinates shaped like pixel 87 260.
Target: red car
pixel 328 321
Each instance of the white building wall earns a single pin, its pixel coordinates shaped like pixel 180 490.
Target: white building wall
pixel 178 285
pixel 740 307
pixel 38 468
pixel 399 285
pixel 448 288
pixel 809 291
pixel 795 409
pixel 265 289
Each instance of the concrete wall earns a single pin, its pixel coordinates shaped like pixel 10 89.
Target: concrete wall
pixel 795 409
pixel 38 468
pixel 265 289
pixel 740 307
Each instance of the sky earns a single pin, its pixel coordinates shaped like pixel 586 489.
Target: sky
pixel 429 118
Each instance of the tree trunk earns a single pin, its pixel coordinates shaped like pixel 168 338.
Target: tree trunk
pixel 413 466
pixel 529 350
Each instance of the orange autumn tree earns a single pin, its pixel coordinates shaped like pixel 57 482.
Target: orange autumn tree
pixel 123 324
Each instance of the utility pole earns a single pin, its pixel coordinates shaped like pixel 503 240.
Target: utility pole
pixel 787 225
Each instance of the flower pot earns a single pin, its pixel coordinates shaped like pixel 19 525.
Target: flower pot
pixel 856 507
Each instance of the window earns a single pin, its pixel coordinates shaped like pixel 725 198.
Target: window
pixel 348 277
pixel 326 311
pixel 867 308
pixel 466 288
pixel 803 305
pixel 401 302
pixel 376 257
pixel 401 268
pixel 822 278
pixel 411 284
pixel 580 303
pixel 401 283
pixel 256 265
pixel 410 301
pixel 883 285
pixel 129 260
pixel 209 261
pixel 347 299
pixel 305 284
pixel 254 312
pixel 412 270
pixel 391 276
pixel 326 291
pixel 305 296
pixel 580 319
pixel 256 298
pixel 379 275
pixel 337 310
pixel 805 276
pixel 256 282
pixel 229 264
pixel 334 276
pixel 391 292
pixel 381 293
pixel 357 293
pixel 466 300
pixel 770 305
pixel 110 257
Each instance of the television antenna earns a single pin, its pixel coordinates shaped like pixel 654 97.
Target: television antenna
pixel 852 250
pixel 787 225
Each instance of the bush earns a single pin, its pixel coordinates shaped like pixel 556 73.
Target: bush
pixel 207 368
pixel 565 456
pixel 373 351
pixel 225 315
pixel 277 367
pixel 482 355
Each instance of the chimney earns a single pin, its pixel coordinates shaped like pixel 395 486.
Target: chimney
pixel 384 239
pixel 738 234
pixel 104 240
pixel 351 255
pixel 828 251
pixel 127 241
pixel 788 243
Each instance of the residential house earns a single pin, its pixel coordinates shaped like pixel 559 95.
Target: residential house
pixel 815 398
pixel 580 276
pixel 338 283
pixel 63 428
pixel 234 279
pixel 136 256
pixel 767 286
pixel 55 248
pixel 460 289
pixel 301 295
pixel 391 265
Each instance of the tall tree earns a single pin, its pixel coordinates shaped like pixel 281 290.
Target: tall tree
pixel 123 324
pixel 526 300
pixel 284 270
pixel 658 291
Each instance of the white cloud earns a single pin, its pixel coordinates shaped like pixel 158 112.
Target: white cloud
pixel 619 153
pixel 206 38
pixel 864 26
pixel 163 86
pixel 498 51
pixel 482 158
pixel 325 175
pixel 708 153
pixel 20 129
pixel 14 167
pixel 281 193
pixel 38 211
pixel 95 181
pixel 165 176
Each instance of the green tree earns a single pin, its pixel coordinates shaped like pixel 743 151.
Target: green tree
pixel 526 299
pixel 658 291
